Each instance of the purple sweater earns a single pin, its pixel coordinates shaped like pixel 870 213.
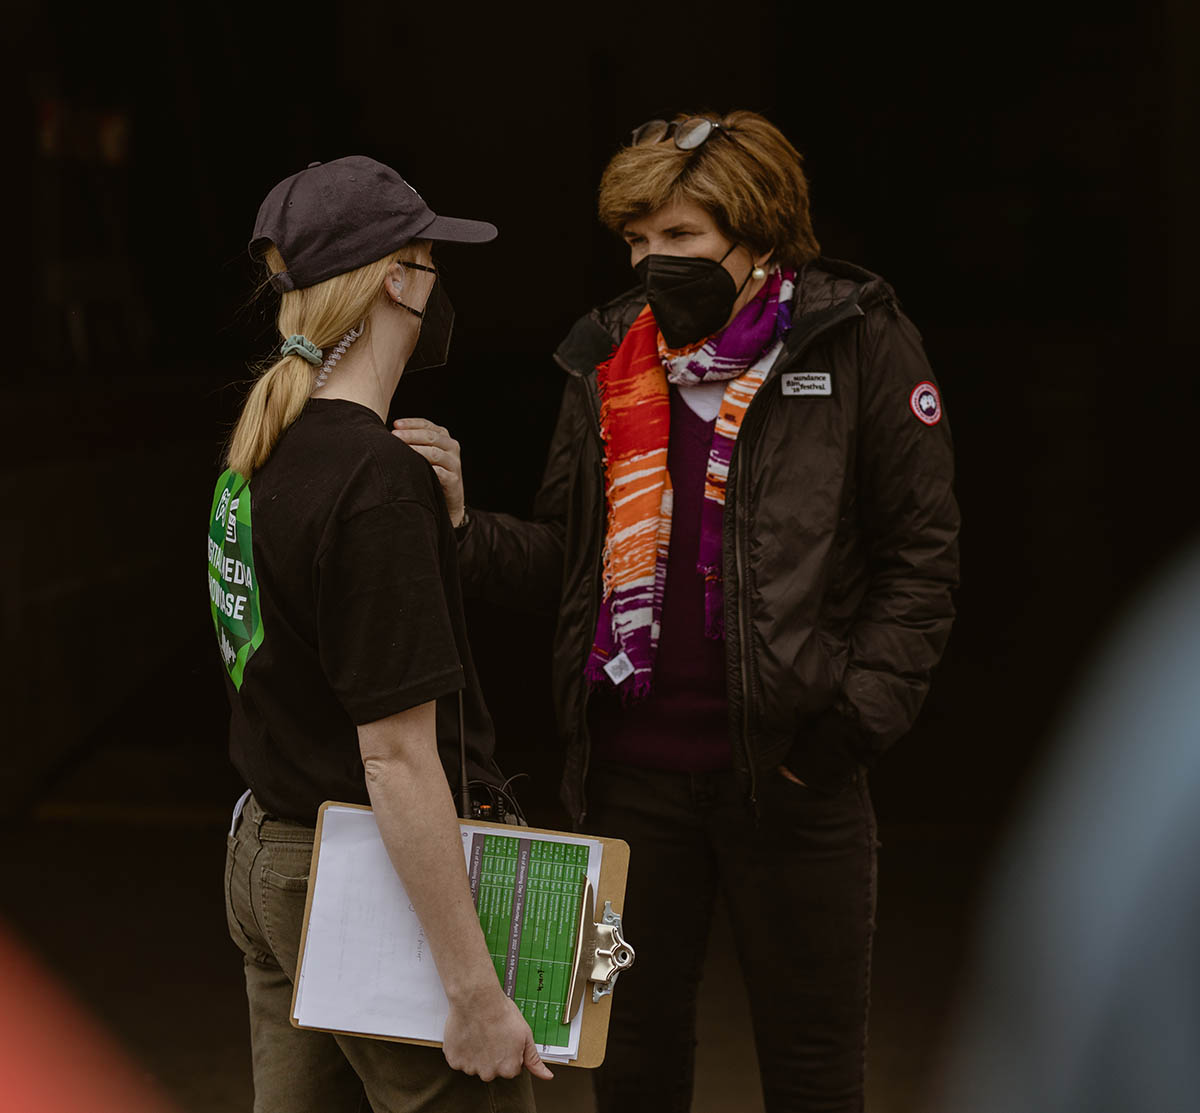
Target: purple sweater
pixel 682 723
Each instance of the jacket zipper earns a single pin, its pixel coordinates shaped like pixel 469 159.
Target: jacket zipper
pixel 740 532
pixel 739 537
pixel 597 571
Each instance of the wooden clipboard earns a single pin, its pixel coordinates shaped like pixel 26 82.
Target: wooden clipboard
pixel 600 948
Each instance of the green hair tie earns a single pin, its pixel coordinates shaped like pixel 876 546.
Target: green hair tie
pixel 303 347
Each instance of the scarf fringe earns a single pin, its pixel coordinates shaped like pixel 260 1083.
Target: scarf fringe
pixel 636 687
pixel 593 672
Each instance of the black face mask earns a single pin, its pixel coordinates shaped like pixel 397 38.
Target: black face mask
pixel 437 323
pixel 690 297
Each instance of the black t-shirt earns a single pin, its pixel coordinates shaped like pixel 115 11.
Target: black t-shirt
pixel 336 601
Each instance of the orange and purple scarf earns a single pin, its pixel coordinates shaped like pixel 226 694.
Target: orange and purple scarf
pixel 635 413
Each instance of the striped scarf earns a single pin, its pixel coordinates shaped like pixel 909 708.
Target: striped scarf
pixel 635 413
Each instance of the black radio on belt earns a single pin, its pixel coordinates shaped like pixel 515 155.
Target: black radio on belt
pixel 496 803
pixel 490 811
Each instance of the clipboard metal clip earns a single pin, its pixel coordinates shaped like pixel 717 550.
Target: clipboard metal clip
pixel 613 954
pixel 601 953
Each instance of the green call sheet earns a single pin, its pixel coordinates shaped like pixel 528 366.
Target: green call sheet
pixel 527 893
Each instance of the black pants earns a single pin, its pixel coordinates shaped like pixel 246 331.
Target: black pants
pixel 800 886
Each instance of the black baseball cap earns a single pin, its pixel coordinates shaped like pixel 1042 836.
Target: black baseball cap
pixel 334 217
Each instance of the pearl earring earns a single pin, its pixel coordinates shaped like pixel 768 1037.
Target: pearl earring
pixel 758 273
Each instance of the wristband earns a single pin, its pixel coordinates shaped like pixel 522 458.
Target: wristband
pixel 461 528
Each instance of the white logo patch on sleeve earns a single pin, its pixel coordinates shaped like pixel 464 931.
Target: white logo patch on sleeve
pixel 926 403
pixel 807 382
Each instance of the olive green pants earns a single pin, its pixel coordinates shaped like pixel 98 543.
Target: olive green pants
pixel 300 1071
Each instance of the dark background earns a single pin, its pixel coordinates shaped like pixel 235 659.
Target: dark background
pixel 1024 175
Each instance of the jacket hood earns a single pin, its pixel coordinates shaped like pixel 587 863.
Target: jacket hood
pixel 823 286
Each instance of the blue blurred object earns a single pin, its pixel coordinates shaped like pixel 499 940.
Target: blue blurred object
pixel 1085 987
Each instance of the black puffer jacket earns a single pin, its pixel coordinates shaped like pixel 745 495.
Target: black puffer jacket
pixel 840 537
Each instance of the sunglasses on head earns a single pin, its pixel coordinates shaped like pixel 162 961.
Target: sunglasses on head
pixel 688 134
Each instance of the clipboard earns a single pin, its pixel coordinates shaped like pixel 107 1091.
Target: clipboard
pixel 600 951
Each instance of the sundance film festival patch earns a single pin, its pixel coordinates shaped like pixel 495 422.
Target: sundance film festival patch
pixel 797 383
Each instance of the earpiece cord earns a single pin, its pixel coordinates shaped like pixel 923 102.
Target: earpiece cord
pixel 330 360
pixel 464 790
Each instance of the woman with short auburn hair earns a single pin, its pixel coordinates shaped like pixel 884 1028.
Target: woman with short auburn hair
pixel 754 187
pixel 748 528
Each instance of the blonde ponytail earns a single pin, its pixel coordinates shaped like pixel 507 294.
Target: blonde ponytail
pixel 323 313
pixel 272 405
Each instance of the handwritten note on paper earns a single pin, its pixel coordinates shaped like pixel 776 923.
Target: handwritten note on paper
pixel 367 967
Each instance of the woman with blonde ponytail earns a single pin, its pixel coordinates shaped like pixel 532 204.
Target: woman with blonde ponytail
pixel 325 313
pixel 333 586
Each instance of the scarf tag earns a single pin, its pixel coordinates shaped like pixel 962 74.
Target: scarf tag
pixel 620 668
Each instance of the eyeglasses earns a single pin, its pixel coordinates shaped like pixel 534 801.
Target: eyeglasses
pixel 688 134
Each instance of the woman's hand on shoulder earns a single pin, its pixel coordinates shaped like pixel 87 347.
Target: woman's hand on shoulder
pixel 444 455
pixel 490 1038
